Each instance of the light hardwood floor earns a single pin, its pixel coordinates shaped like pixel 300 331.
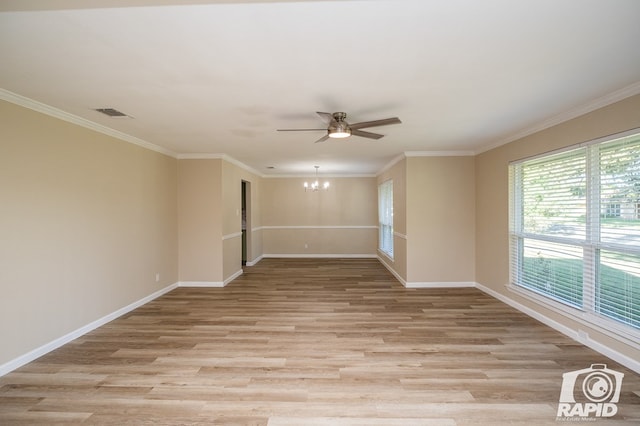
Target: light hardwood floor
pixel 309 342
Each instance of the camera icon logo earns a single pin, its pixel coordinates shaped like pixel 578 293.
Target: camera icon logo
pixel 592 391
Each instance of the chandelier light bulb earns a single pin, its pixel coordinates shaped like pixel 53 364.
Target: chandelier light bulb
pixel 315 186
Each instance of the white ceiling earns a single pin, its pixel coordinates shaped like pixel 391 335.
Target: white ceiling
pixel 219 77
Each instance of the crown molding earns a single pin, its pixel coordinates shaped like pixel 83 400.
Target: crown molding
pixel 83 122
pixel 200 156
pixel 601 102
pixel 391 163
pixel 439 154
pixel 320 176
pixel 408 154
pixel 240 164
pixel 224 157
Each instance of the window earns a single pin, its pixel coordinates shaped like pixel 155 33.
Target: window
pixel 574 247
pixel 385 217
pixel 612 210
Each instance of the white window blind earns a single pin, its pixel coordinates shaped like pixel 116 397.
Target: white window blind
pixel 385 217
pixel 618 255
pixel 575 230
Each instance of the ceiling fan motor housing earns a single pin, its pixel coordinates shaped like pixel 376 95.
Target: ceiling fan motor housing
pixel 339 116
pixel 338 128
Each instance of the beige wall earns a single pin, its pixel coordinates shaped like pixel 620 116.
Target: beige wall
pixel 397 172
pixel 232 178
pixel 340 221
pixel 199 220
pixel 440 215
pixel 86 223
pixel 492 193
pixel 320 241
pixel 210 221
pixel 210 206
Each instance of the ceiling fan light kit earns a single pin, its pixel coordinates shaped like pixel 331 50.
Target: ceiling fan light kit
pixel 338 132
pixel 338 128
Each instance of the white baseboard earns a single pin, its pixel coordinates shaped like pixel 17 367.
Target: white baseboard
pixel 254 261
pixel 437 284
pixel 567 331
pixel 393 271
pixel 429 284
pixel 215 284
pixel 48 347
pixel 320 256
pixel 210 284
pixel 577 335
pixel 233 277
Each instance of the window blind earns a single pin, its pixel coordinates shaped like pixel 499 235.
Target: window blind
pixel 385 217
pixel 575 229
pixel 618 268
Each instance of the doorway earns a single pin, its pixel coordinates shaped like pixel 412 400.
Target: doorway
pixel 246 221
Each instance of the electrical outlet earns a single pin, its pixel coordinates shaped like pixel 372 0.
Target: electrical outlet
pixel 306 245
pixel 157 277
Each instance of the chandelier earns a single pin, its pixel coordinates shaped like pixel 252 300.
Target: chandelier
pixel 315 186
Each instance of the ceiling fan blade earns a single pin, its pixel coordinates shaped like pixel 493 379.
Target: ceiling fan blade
pixel 374 123
pixel 326 116
pixel 364 134
pixel 322 139
pixel 301 130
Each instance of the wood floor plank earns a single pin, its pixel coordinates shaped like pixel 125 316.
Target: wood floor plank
pixel 309 342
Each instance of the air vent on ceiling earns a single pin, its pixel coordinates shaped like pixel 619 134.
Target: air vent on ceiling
pixel 111 112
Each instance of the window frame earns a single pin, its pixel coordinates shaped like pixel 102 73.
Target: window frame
pixel 590 312
pixel 385 218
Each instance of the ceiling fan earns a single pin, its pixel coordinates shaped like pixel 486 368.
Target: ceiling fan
pixel 339 128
